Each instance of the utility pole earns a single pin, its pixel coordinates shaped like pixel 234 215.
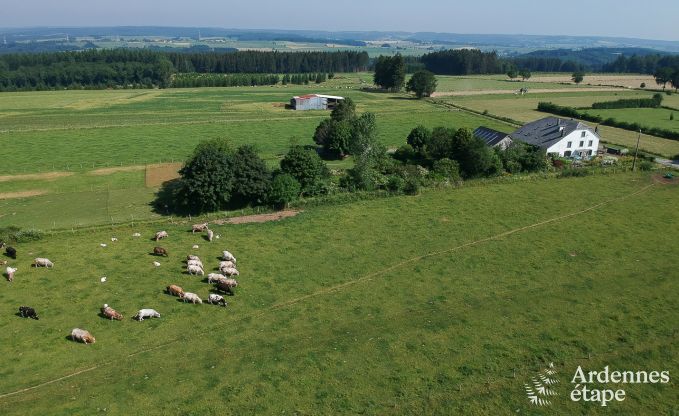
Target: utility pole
pixel 636 151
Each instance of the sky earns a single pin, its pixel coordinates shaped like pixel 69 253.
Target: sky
pixel 620 18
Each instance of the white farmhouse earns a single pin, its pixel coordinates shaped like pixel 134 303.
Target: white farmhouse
pixel 567 138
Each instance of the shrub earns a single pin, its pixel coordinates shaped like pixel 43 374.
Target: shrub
pixel 284 189
pixel 653 102
pixel 12 234
pixel 573 172
pixel 405 153
pixel 307 168
pixel 643 85
pixel 447 169
pixel 645 165
pixel 395 184
pixel 419 137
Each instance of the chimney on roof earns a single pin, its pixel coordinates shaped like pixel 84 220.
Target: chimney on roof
pixel 562 130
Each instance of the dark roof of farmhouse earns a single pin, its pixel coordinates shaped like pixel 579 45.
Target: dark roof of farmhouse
pixel 547 131
pixel 490 136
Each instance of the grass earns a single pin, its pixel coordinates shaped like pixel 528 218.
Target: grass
pixel 320 324
pixel 524 109
pixel 648 117
pixel 109 128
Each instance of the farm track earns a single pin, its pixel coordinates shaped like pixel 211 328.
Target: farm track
pixel 531 90
pixel 339 287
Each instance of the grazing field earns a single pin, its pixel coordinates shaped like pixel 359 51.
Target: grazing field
pixel 96 129
pixel 448 305
pixel 78 158
pixel 649 117
pixel 524 109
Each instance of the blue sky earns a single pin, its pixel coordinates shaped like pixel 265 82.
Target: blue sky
pixel 657 19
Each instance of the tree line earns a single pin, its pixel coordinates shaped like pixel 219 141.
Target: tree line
pixel 135 68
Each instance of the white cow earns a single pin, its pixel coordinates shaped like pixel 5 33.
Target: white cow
pixel 195 263
pixel 146 313
pixel 197 270
pixel 229 271
pixel 226 263
pixel 42 262
pixel 215 277
pixel 82 335
pixel 160 235
pixel 10 273
pixel 210 235
pixel 228 256
pixel 192 257
pixel 191 297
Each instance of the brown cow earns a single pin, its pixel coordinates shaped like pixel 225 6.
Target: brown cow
pixel 175 290
pixel 111 313
pixel 159 251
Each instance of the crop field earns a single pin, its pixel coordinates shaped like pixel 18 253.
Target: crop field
pixel 453 310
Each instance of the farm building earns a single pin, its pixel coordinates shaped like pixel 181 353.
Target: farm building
pixel 314 102
pixel 493 138
pixel 567 138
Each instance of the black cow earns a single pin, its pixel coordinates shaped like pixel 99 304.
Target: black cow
pixel 10 251
pixel 27 312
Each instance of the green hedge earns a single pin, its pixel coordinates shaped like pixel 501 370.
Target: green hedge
pixel 653 102
pixel 573 113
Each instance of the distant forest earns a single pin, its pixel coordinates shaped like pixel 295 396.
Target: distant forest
pixel 144 68
pixel 130 68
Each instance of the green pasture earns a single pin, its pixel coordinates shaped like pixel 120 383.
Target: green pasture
pixel 649 117
pixel 524 109
pixel 81 130
pixel 337 312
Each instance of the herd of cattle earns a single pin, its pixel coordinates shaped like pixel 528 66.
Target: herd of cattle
pixel 224 282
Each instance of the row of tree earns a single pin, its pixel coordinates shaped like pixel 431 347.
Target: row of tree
pixel 217 177
pixel 141 68
pixel 270 62
pixel 193 80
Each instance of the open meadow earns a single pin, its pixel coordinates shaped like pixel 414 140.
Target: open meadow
pixel 443 303
pixel 79 158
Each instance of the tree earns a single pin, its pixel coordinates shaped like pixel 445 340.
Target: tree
pixel 323 131
pixel 251 176
pixel 663 76
pixel 525 74
pixel 440 143
pixel 307 168
pixel 344 110
pixel 284 189
pixel 419 138
pixel 207 177
pixel 512 73
pixel 390 72
pixel 363 134
pixel 422 83
pixel 474 156
pixel 674 80
pixel 578 76
pixel 339 138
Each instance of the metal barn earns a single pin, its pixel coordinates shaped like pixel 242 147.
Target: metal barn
pixel 314 102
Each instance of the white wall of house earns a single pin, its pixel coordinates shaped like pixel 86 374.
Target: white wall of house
pixel 582 140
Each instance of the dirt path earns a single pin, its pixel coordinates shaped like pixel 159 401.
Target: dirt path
pixel 530 91
pixel 47 176
pixel 108 171
pixel 21 194
pixel 259 218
